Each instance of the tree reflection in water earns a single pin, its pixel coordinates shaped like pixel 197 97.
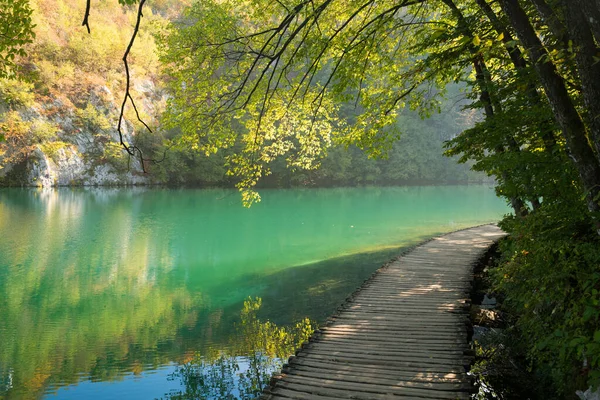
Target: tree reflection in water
pixel 256 350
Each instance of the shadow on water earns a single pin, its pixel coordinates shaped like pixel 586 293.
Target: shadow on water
pixel 311 291
pixel 316 290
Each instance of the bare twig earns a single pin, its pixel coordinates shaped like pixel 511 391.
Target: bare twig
pixel 133 149
pixel 86 16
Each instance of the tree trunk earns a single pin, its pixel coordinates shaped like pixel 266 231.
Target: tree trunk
pixel 564 111
pixel 513 51
pixel 551 19
pixel 591 14
pixel 547 129
pixel 588 70
pixel 482 77
pixel 516 202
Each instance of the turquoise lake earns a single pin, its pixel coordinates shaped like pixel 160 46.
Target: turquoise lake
pixel 106 293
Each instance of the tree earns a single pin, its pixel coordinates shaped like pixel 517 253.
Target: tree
pixel 576 132
pixel 293 76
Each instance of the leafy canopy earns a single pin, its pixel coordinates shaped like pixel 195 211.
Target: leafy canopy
pixel 273 76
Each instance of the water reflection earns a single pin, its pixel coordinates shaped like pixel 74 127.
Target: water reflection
pixel 78 293
pixel 101 285
pixel 256 351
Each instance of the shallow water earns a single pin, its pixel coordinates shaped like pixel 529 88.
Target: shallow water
pixel 103 292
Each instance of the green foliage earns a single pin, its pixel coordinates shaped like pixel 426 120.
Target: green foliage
pixel 551 280
pixel 282 138
pixel 16 31
pixel 502 371
pixel 43 131
pixel 51 149
pixel 414 159
pixel 271 340
pixel 292 108
pixel 16 93
pixel 114 155
pixel 92 119
pixel 184 166
pixel 18 140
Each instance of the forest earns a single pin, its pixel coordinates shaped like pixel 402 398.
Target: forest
pixel 253 93
pixel 61 113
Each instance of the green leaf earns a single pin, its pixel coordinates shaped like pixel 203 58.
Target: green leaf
pixel 589 313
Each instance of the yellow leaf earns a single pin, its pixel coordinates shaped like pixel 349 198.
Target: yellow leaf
pixel 476 40
pixel 500 36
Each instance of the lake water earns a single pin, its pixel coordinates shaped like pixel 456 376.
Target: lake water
pixel 123 293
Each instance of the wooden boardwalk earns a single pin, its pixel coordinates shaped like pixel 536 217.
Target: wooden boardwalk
pixel 402 334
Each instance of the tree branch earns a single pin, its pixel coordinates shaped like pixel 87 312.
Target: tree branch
pixel 86 16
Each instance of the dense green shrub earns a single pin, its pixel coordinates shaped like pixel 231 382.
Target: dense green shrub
pixel 51 149
pixel 16 93
pixel 550 276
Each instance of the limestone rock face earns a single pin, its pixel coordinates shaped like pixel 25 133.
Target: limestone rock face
pixel 86 148
pixel 40 173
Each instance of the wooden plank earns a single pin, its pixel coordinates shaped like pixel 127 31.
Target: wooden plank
pixel 424 365
pixel 406 337
pixel 372 371
pixel 400 303
pixel 419 335
pixel 399 322
pixel 292 394
pixel 385 351
pixel 410 284
pixel 394 330
pixel 404 298
pixel 362 392
pixel 399 346
pixel 400 318
pixel 402 334
pixel 354 378
pixel 404 359
pixel 442 318
pixel 403 305
pixel 414 297
pixel 403 310
pixel 408 304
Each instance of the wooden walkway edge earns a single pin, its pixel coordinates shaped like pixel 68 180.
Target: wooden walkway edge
pixel 402 334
